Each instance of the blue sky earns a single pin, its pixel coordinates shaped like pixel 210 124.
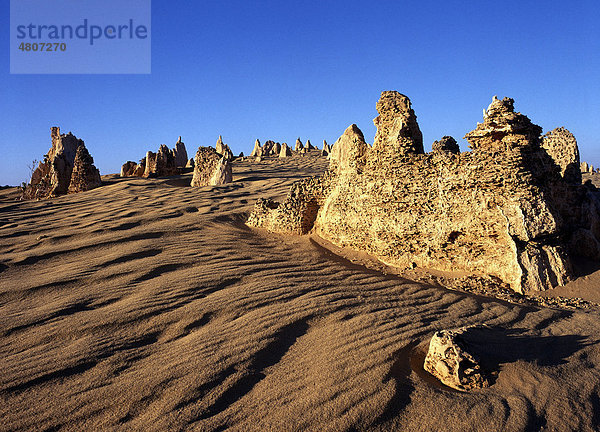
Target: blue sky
pixel 282 69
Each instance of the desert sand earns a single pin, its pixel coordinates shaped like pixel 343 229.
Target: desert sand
pixel 146 304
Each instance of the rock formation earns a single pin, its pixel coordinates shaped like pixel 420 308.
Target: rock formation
pixel 85 175
pixel 446 144
pixel 267 148
pixel 210 168
pixel 561 145
pixel 223 149
pixel 309 146
pixel 180 154
pixel 588 168
pixel 398 132
pixel 54 174
pixel 257 150
pixel 349 152
pixel 220 146
pixel 128 169
pixel 163 163
pixel 449 360
pixel 285 151
pixel 326 148
pixel 502 210
pixel 299 146
pixel 150 170
pixel 140 169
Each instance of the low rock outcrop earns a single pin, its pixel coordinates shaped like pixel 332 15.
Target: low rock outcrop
pixel 63 164
pixel 210 168
pixel 163 163
pixel 502 210
pixel 446 144
pixel 449 359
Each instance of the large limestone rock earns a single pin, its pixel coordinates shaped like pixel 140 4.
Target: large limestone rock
pixel 502 210
pixel 211 168
pixel 397 129
pixel 299 146
pixel 85 175
pixel 326 148
pixel 180 154
pixel 449 359
pixel 54 174
pixel 285 151
pixel 309 146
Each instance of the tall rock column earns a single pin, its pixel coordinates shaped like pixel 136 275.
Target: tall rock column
pixel 398 132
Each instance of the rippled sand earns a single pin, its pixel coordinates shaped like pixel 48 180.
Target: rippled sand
pixel 149 305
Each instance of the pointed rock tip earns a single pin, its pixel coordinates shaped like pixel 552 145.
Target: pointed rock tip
pixel 354 130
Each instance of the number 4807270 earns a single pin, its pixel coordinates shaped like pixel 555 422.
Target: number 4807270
pixel 43 46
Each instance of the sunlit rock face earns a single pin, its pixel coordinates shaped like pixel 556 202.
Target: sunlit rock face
pixel 210 168
pixel 505 209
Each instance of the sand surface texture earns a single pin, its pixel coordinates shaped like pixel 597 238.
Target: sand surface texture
pixel 148 305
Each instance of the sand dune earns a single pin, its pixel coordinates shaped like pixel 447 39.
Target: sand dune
pixel 149 305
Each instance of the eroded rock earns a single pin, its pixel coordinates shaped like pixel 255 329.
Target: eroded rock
pixel 128 169
pixel 257 150
pixel 450 360
pixel 210 168
pixel 447 144
pixel 223 149
pixel 397 129
pixel 285 151
pixel 180 154
pixel 85 175
pixel 502 210
pixel 54 174
pixel 348 155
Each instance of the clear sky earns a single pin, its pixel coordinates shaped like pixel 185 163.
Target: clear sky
pixel 286 69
